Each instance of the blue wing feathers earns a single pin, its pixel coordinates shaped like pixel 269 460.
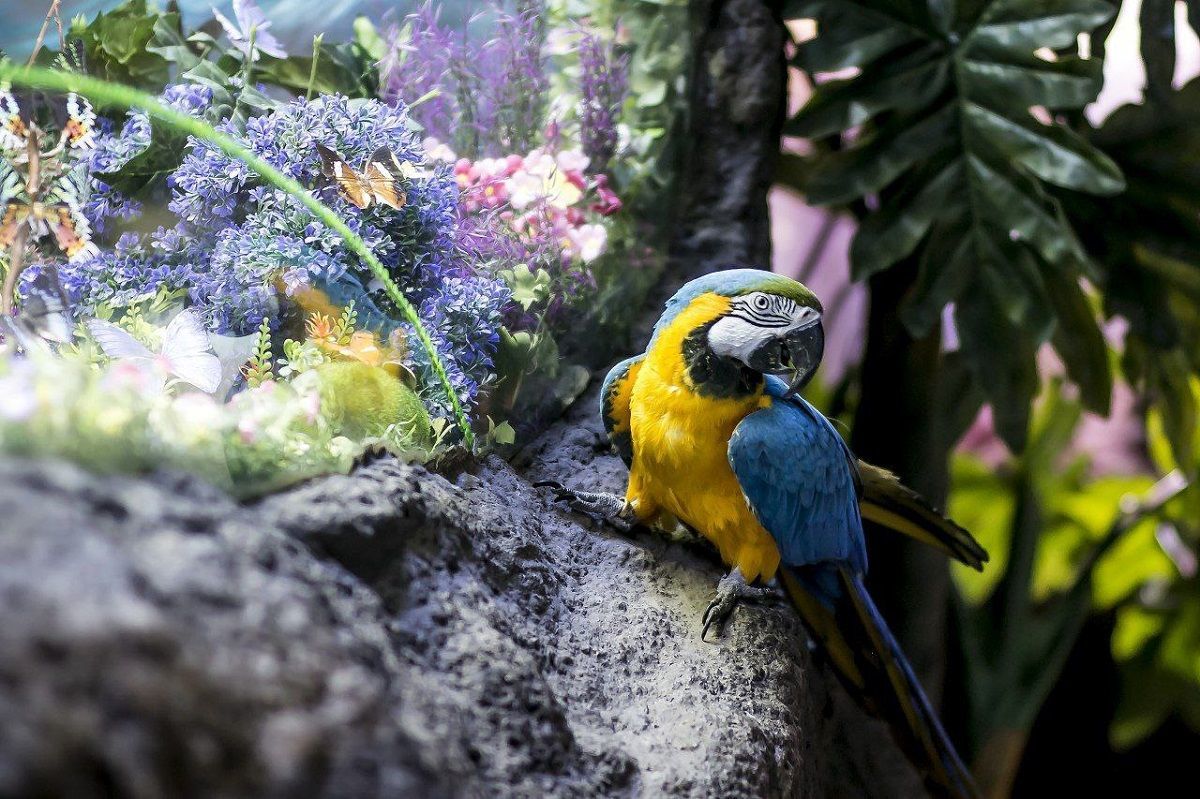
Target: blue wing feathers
pixel 799 480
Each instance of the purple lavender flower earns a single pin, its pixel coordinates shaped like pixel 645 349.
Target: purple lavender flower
pixel 237 238
pixel 602 86
pixel 490 96
pixel 518 84
pixel 114 150
pixel 418 64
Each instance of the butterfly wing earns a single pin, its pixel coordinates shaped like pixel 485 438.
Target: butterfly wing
pixel 14 133
pixel 72 233
pixel 352 186
pixel 115 341
pixel 383 173
pixel 80 130
pixel 44 309
pixel 14 215
pixel 187 351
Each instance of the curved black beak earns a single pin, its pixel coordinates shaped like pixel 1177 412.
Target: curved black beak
pixel 796 355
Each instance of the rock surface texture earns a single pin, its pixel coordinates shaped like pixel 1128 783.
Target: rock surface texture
pixel 395 633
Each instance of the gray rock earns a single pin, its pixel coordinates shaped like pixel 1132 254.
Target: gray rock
pixel 395 633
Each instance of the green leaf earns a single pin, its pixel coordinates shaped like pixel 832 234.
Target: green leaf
pixel 940 144
pixel 367 38
pixel 1067 83
pixel 904 85
pixel 1054 153
pixel 1079 342
pixel 877 161
pixel 1001 357
pixel 895 231
pixel 115 44
pixel 167 41
pixel 946 268
pixel 848 38
pixel 1023 26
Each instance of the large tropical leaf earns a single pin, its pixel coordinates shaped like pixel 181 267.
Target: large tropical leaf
pixel 940 138
pixel 1147 246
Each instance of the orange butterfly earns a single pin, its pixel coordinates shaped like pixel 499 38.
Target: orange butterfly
pixel 377 184
pixel 70 230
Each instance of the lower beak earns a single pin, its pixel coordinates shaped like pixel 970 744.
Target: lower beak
pixel 805 347
pixel 795 356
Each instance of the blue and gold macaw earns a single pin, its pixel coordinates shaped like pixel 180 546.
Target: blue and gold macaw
pixel 716 439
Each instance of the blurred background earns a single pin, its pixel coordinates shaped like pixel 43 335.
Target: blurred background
pixel 1053 414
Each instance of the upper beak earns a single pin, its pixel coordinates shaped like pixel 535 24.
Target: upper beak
pixel 797 354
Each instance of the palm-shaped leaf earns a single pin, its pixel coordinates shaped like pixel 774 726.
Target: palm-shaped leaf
pixel 944 144
pixel 1147 245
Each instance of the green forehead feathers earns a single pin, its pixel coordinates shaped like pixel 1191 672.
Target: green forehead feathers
pixel 772 283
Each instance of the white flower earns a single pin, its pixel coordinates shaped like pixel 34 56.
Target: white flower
pixel 572 161
pixel 561 41
pixel 438 151
pixel 524 189
pixel 590 241
pixel 250 18
pixel 18 397
pixel 540 163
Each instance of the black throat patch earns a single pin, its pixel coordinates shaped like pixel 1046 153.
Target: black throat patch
pixel 713 376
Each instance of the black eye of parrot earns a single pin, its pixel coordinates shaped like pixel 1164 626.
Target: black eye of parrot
pixel 761 302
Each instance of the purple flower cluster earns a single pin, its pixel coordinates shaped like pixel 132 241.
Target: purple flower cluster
pixel 602 87
pixel 238 240
pixel 115 150
pixel 489 98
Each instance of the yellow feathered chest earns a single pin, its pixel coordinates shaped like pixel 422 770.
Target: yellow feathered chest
pixel 680 448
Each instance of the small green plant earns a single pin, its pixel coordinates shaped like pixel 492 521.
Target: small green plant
pixel 258 370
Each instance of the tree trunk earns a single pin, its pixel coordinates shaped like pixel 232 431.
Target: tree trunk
pixel 894 428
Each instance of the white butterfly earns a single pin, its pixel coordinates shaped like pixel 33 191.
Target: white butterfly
pixel 185 352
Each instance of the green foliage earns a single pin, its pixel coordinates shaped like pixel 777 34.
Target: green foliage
pixel 360 402
pixel 299 357
pixel 964 174
pixel 345 325
pixel 126 45
pixel 528 288
pixel 1147 246
pixel 656 38
pixel 106 421
pixel 259 370
pixel 1062 544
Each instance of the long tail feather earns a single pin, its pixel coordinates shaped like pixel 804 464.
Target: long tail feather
pixel 888 503
pixel 841 615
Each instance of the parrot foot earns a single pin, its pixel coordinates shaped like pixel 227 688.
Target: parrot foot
pixel 599 507
pixel 732 589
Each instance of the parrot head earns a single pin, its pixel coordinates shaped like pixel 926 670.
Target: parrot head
pixel 766 323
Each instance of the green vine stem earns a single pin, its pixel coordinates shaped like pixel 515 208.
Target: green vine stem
pixel 113 95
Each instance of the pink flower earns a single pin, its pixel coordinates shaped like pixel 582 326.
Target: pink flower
pixel 607 202
pixel 247 429
pixel 576 179
pixel 311 405
pixel 524 189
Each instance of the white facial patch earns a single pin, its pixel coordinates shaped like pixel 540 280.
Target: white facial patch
pixel 755 319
